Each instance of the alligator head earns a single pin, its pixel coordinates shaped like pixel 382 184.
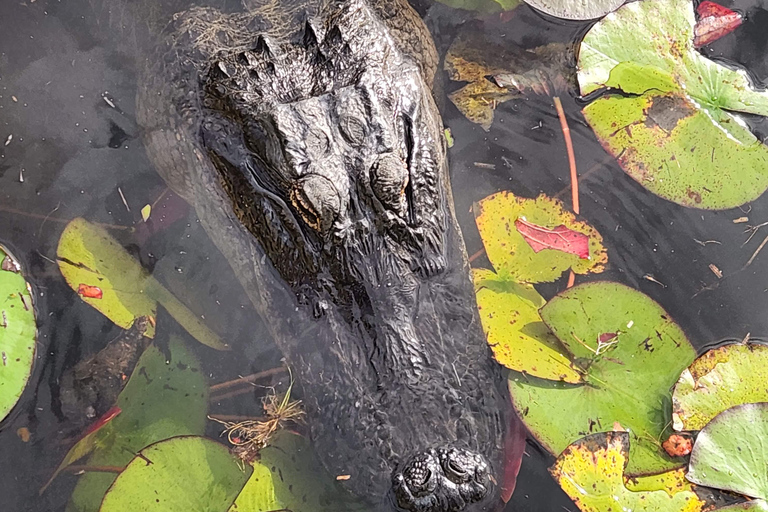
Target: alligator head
pixel 330 148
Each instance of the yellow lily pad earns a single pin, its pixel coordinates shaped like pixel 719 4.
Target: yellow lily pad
pixel 520 340
pixel 536 240
pixel 591 472
pixel 105 276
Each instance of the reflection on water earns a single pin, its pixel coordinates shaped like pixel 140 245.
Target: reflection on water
pixel 73 148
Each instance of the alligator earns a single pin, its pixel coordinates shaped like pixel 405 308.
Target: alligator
pixel 306 137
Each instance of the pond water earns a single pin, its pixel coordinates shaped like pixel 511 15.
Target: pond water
pixel 67 112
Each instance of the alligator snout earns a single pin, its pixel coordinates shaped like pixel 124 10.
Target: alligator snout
pixel 442 480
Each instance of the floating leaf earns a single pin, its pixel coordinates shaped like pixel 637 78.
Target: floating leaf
pixel 627 377
pixel 559 238
pixel 676 130
pixel 576 9
pixel 289 476
pixel 749 506
pixel 92 292
pixel 514 258
pixel 18 332
pixel 715 22
pixel 519 339
pixel 179 474
pixel 162 399
pixel 730 453
pixel 114 283
pixel 145 212
pixel 496 73
pixel 729 375
pixel 591 472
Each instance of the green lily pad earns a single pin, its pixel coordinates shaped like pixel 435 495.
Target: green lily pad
pixel 576 9
pixel 18 332
pixel 718 380
pixel 749 506
pixel 591 472
pixel 105 276
pixel 629 351
pixel 520 340
pixel 162 399
pixel 536 240
pixel 731 452
pixel 178 475
pixel 677 132
pixel 288 476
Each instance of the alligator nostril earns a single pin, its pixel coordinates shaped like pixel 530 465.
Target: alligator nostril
pixel 453 468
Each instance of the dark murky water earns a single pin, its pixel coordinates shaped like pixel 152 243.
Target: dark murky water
pixel 67 99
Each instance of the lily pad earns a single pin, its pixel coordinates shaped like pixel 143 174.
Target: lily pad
pixel 591 472
pixel 162 399
pixel 18 332
pixel 731 452
pixel 576 9
pixel 288 476
pixel 108 278
pixel 677 130
pixel 178 475
pixel 515 331
pixel 629 351
pixel 718 380
pixel 536 240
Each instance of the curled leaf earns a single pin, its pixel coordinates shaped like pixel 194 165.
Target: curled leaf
pixel 715 21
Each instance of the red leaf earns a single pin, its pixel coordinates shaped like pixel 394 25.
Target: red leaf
pixel 514 449
pixel 606 336
pixel 560 238
pixel 92 292
pixel 715 21
pixel 105 418
pixel 678 445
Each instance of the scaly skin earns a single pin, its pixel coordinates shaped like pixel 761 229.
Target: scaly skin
pixel 309 144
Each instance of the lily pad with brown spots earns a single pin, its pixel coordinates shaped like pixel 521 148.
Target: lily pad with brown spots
pixel 674 121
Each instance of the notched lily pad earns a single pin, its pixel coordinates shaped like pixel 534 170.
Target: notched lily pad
pixel 723 377
pixel 730 453
pixel 536 240
pixel 18 332
pixel 677 130
pixel 629 352
pixel 514 330
pixel 178 474
pixel 591 472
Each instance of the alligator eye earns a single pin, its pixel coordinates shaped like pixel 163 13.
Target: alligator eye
pixel 389 180
pixel 353 129
pixel 317 201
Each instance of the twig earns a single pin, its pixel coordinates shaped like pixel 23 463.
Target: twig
pixel 757 251
pixel 57 219
pixel 477 255
pixel 571 156
pixel 235 418
pixel 248 379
